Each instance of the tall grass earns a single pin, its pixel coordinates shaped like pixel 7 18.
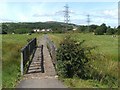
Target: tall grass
pixel 11 48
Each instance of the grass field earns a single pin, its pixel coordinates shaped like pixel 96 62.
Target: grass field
pixel 105 45
pixel 11 46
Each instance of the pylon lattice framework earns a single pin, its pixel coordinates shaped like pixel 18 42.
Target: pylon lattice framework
pixel 66 14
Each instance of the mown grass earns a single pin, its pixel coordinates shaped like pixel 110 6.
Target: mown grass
pixel 107 46
pixel 11 48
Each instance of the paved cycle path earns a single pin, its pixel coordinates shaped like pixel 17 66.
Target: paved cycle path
pixel 38 79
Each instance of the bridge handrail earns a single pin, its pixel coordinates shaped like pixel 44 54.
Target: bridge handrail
pixel 52 49
pixel 26 52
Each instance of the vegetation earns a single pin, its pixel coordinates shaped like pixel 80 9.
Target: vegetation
pixel 103 65
pixel 56 27
pixel 20 28
pixel 99 30
pixel 72 58
pixel 12 45
pixel 81 83
pixel 106 44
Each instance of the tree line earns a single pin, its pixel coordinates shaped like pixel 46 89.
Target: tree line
pixel 99 29
pixel 21 28
pixel 58 27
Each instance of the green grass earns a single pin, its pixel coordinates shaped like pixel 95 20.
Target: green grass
pixel 11 46
pixel 80 83
pixel 107 46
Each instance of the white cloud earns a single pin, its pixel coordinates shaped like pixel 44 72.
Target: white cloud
pixel 112 13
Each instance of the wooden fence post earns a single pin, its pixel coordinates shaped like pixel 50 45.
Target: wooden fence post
pixel 21 63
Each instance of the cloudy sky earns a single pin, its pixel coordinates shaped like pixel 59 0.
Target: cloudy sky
pixel 100 12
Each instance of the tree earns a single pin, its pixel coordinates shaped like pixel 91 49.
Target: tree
pixel 110 31
pixel 101 29
pixel 98 31
pixel 92 28
pixel 82 28
pixel 4 28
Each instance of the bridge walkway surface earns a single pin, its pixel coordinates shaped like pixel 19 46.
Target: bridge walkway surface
pixel 41 76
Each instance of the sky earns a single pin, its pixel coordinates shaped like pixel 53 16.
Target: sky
pixel 100 12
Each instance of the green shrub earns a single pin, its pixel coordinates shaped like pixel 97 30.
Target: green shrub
pixel 110 31
pixel 73 58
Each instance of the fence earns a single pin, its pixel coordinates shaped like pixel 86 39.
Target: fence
pixel 52 49
pixel 26 52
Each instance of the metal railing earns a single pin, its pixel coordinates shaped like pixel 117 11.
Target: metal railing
pixel 52 49
pixel 26 52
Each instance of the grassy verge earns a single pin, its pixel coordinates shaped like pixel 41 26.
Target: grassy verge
pixel 80 83
pixel 11 46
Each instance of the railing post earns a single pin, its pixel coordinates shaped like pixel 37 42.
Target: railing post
pixel 21 63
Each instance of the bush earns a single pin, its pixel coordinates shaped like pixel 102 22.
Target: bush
pixel 99 31
pixel 73 58
pixel 110 31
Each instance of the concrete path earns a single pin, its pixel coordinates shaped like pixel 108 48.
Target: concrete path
pixel 48 79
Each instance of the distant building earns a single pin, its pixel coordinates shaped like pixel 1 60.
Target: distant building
pixel 48 30
pixel 75 28
pixel 36 30
pixel 43 30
